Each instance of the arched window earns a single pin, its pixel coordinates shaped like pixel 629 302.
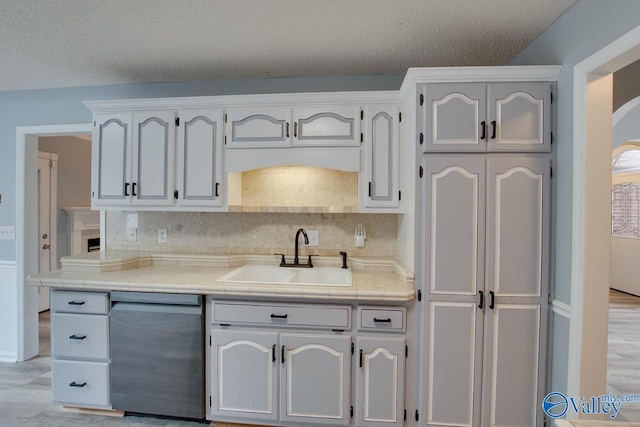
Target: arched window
pixel 625 196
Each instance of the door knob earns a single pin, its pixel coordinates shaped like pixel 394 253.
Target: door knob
pixel 46 246
pixel 45 235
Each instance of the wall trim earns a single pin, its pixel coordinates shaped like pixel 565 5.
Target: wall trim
pixel 617 54
pixel 22 246
pixel 560 308
pixel 7 264
pixel 8 357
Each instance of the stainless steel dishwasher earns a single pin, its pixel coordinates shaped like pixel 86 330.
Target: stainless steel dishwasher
pixel 157 353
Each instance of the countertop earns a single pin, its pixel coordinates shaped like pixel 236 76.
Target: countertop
pixel 374 279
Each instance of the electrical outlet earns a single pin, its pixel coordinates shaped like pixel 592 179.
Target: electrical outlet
pixel 162 235
pixel 314 237
pixel 7 232
pixel 132 234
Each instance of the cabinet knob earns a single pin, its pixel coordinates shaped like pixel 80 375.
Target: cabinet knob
pixel 46 246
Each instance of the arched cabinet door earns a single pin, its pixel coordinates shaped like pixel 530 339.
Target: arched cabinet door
pixel 331 126
pixel 315 379
pixel 111 159
pixel 519 117
pixel 454 118
pixel 153 156
pixel 199 169
pixel 244 381
pixel 268 127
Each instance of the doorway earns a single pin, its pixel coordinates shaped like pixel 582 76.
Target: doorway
pixel 47 220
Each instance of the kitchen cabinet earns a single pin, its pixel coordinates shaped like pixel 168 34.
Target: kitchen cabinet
pixel 485 319
pixel 379 186
pixel 133 159
pixel 477 117
pixel 284 127
pixel 80 349
pixel 200 151
pixel 265 374
pixel 380 381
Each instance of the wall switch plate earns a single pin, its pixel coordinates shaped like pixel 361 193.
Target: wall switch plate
pixel 314 237
pixel 132 220
pixel 162 235
pixel 132 234
pixel 7 232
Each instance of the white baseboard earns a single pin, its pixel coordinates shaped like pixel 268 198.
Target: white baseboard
pixel 6 356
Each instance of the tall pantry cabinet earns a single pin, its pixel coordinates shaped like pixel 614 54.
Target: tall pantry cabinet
pixel 483 252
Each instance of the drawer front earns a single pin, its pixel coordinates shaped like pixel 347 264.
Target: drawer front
pixel 382 318
pixel 336 317
pixel 80 302
pixel 80 336
pixel 80 383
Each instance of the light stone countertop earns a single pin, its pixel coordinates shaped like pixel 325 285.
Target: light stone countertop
pixel 374 280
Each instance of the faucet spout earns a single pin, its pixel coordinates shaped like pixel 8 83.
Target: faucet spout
pixel 306 241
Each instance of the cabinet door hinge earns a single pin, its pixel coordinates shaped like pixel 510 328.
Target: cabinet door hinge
pixel 399 195
pixel 419 295
pixel 351 411
pixel 93 194
pixel 400 116
pixel 417 415
pixel 421 171
pixel 353 348
pixel 551 138
pixel 421 99
pixel 551 172
pixel 549 299
pixel 421 138
pixel 406 351
pixel 209 340
pixel 405 415
pixel 225 117
pixel 210 401
pixel 361 137
pixel 94 123
pixel 177 121
pixel 552 97
pixel 225 140
pixel 175 194
pixel 361 114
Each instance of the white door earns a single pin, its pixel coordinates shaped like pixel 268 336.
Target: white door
pixel 244 374
pixel 47 217
pixel 380 382
pixel 315 379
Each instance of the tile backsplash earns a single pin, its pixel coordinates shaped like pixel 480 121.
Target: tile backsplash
pixel 254 233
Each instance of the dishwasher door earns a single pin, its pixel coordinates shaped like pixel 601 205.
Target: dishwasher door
pixel 157 354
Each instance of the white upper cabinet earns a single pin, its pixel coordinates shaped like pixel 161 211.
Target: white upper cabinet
pixel 278 127
pixel 476 117
pixel 268 127
pixel 379 187
pixel 333 126
pixel 111 159
pixel 199 169
pixel 153 157
pixel 133 159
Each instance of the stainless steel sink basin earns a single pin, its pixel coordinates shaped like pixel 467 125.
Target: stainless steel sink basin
pixel 270 275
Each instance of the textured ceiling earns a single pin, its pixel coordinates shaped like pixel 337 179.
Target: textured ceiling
pixel 62 43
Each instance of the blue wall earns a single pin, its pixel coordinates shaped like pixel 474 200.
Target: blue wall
pixel 64 106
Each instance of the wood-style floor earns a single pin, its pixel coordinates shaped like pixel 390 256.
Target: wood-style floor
pixel 623 355
pixel 25 388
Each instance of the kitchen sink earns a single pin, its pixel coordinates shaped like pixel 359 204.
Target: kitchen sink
pixel 271 275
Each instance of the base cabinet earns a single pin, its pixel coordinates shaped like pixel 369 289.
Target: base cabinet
pixel 285 377
pixel 380 381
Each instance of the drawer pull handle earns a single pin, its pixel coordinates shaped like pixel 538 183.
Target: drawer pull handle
pixel 279 316
pixel 76 302
pixel 77 337
pixel 376 320
pixel 75 384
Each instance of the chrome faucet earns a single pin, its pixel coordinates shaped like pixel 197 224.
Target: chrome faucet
pixel 296 260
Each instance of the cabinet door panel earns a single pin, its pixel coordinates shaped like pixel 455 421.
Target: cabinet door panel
pixel 258 127
pixel 521 112
pixel 518 226
pixel 454 226
pixel 328 126
pixel 111 159
pixel 153 154
pixel 454 333
pixel 453 117
pixel 244 374
pixel 315 378
pixel 380 382
pixel 511 365
pixel 200 158
pixel 381 170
